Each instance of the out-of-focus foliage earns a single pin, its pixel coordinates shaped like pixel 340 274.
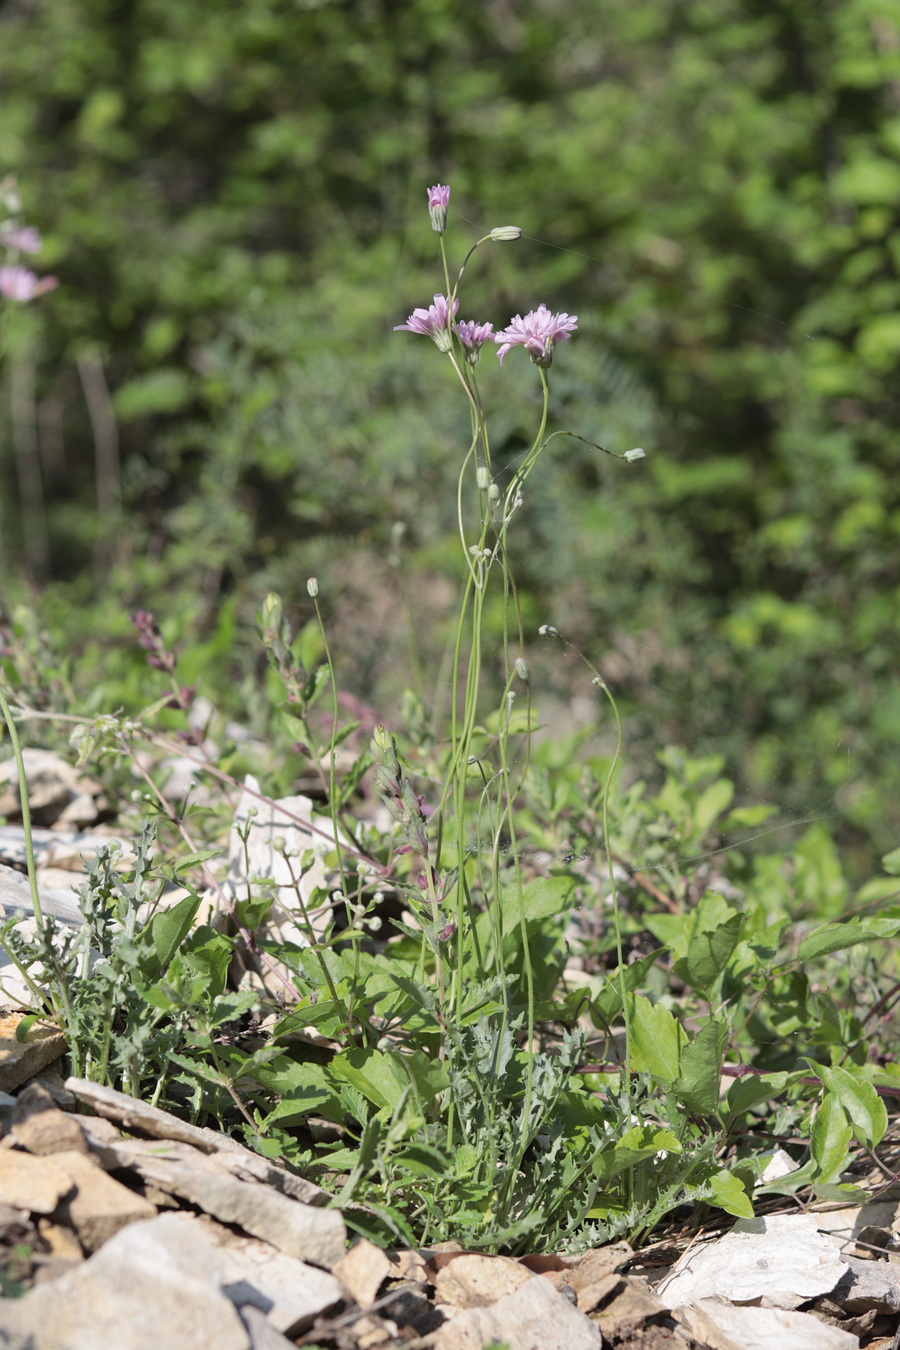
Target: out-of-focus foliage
pixel 233 196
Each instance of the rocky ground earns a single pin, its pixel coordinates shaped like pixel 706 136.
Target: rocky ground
pixel 125 1228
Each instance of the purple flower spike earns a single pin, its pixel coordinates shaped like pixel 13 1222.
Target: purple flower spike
pixel 473 336
pixel 438 201
pixel 17 283
pixel 538 333
pixel 433 322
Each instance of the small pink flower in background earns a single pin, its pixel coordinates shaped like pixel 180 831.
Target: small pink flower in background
pixel 24 238
pixel 433 322
pixel 17 283
pixel 438 201
pixel 538 333
pixel 473 336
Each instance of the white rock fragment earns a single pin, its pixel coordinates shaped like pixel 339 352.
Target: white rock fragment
pixel 762 1328
pixel 153 1285
pixel 362 1271
pixel 535 1317
pixel 783 1260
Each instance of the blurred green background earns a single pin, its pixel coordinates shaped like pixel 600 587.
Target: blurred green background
pixel 213 403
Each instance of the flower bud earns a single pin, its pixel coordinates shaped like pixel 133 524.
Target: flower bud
pixel 522 669
pixel 632 456
pixel 438 201
pixel 312 587
pixel 503 233
pixel 483 477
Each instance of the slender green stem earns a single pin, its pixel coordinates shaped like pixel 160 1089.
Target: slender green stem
pixel 26 810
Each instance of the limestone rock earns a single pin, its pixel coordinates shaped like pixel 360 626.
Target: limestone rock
pixel 869 1285
pixel 304 1231
pixel 471 1280
pixel 362 1270
pixel 34 1185
pixel 100 1205
pixel 41 1128
pixel 21 1060
pixel 783 1260
pixel 534 1317
pixel 153 1285
pixel 56 790
pixel 762 1328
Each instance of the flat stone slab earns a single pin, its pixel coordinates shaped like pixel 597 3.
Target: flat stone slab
pixel 783 1259
pixel 155 1284
pixel 534 1317
pixel 21 1060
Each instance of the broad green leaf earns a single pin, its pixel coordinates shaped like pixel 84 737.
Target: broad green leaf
pixel 830 1138
pixel 753 1089
pixel 423 1160
pixel 711 803
pixel 636 1145
pixel 729 1194
pixel 891 862
pixel 165 933
pixel 865 1109
pixel 701 1064
pixel 607 1004
pixel 541 897
pixel 656 1039
pixel 708 954
pixel 388 1078
pixel 835 937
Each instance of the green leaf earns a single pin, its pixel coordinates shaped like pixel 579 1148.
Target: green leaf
pixel 711 803
pixel 729 1194
pixel 636 1144
pixel 607 1004
pixel 830 1138
pixel 708 954
pixel 891 862
pixel 753 1089
pixel 656 1039
pixel 701 1065
pixel 423 1160
pixel 389 1079
pixel 165 933
pixel 835 937
pixel 865 1109
pixel 26 1024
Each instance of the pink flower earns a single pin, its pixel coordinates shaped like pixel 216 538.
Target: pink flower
pixel 438 201
pixel 538 332
pixel 24 239
pixel 473 336
pixel 17 283
pixel 433 322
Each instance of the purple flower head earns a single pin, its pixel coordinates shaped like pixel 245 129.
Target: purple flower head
pixel 473 336
pixel 538 333
pixel 17 283
pixel 438 201
pixel 433 322
pixel 23 239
